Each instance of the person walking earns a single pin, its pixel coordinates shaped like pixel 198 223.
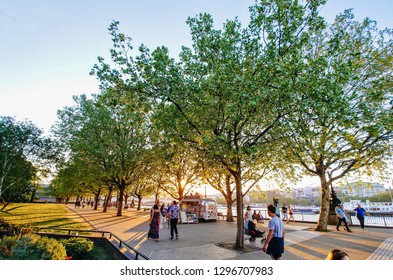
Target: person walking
pixel 154 229
pixel 360 212
pixel 247 218
pixel 291 217
pixel 341 217
pixel 168 215
pixel 174 218
pixel 284 211
pixel 274 244
pixel 163 212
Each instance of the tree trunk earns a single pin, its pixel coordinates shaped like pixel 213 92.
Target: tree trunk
pixel 97 199
pixel 122 188
pixel 228 198
pixel 108 199
pixel 229 210
pixel 324 212
pixel 139 202
pixel 105 204
pixel 33 193
pixel 180 189
pixel 126 199
pixel 239 205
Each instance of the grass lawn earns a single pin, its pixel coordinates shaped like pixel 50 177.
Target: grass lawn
pixel 36 215
pixel 42 215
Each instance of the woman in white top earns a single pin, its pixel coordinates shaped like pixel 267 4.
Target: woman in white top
pixel 247 217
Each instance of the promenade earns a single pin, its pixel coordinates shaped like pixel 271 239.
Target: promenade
pixel 202 241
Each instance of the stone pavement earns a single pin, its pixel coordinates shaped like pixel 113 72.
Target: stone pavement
pixel 201 241
pixel 384 251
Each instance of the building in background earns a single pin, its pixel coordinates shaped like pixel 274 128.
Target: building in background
pixel 361 189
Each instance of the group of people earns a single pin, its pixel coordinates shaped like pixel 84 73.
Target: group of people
pixel 342 218
pixel 274 244
pixel 285 211
pixel 161 216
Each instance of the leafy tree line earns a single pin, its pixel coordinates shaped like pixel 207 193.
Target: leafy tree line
pixel 241 105
pixel 287 90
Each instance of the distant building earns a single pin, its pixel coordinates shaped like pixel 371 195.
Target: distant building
pixel 306 192
pixel 361 189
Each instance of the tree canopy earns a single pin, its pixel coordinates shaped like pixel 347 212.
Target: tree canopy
pixel 24 153
pixel 286 90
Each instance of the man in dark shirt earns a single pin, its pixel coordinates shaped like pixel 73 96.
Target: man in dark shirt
pixel 174 218
pixel 360 215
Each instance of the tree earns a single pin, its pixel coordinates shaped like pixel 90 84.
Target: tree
pixel 179 170
pixel 229 91
pixel 23 153
pixel 382 197
pixel 110 136
pixel 76 178
pixel 218 177
pixel 346 98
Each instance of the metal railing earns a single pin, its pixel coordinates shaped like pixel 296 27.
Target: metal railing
pixel 103 234
pixel 381 220
pixel 372 220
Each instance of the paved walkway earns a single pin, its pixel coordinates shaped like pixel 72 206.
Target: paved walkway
pixel 206 241
pixel 384 251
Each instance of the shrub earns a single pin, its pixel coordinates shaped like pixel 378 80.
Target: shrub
pixel 31 247
pixel 77 247
pixel 7 229
pixel 6 245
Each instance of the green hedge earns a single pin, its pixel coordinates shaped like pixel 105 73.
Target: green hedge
pixel 77 247
pixel 17 243
pixel 31 247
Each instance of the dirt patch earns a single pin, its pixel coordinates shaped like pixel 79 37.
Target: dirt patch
pixel 313 229
pixel 231 246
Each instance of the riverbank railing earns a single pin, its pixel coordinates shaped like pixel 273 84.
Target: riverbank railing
pixel 370 220
pixel 374 219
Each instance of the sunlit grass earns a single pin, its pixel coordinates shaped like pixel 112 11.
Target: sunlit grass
pixel 36 215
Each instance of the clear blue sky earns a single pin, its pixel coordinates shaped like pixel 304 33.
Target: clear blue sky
pixel 47 48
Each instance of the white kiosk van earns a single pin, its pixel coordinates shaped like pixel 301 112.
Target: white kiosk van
pixel 195 208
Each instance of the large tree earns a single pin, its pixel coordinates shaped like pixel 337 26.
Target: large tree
pixel 346 93
pixel 179 170
pixel 109 135
pixel 76 178
pixel 227 93
pixel 24 152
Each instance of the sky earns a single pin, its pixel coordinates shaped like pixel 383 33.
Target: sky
pixel 47 48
